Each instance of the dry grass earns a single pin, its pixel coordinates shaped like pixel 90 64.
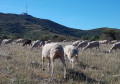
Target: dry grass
pixel 19 65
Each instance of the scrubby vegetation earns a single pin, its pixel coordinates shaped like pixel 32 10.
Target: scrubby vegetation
pixel 20 26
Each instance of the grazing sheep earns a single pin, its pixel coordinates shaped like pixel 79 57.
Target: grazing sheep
pixel 115 46
pixel 0 42
pixel 7 41
pixel 112 42
pixel 73 41
pixel 76 43
pixel 19 41
pixel 71 51
pixel 64 40
pixel 27 41
pixel 82 44
pixel 36 44
pixel 42 43
pixel 52 51
pixel 92 45
pixel 49 41
pixel 103 42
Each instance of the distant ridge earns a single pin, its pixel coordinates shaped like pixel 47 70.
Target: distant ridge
pixel 36 28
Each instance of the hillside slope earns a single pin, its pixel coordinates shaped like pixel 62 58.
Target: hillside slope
pixel 36 28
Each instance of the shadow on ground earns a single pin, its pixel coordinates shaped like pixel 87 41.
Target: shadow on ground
pixel 6 57
pixel 80 77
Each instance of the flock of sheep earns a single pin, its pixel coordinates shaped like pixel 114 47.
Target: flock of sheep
pixel 52 51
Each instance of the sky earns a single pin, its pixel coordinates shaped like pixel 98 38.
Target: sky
pixel 79 14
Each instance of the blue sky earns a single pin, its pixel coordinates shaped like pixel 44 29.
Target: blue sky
pixel 80 14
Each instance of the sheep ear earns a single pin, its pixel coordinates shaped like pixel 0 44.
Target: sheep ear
pixel 42 43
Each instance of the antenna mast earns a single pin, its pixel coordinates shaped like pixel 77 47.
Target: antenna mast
pixel 25 13
pixel 26 8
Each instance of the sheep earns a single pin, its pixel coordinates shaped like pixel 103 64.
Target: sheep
pixel 76 43
pixel 19 41
pixel 71 51
pixel 82 44
pixel 7 41
pixel 35 44
pixel 64 40
pixel 73 41
pixel 103 42
pixel 0 42
pixel 52 51
pixel 112 42
pixel 115 46
pixel 27 41
pixel 49 41
pixel 92 45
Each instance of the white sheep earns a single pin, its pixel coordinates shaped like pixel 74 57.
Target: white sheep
pixel 82 44
pixel 64 40
pixel 73 41
pixel 115 46
pixel 76 43
pixel 92 45
pixel 7 41
pixel 112 42
pixel 52 51
pixel 103 42
pixel 49 41
pixel 20 40
pixel 71 51
pixel 36 44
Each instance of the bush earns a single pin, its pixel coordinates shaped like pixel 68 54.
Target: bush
pixel 45 37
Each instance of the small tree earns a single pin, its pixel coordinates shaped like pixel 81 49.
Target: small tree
pixel 85 38
pixel 45 37
pixel 110 34
pixel 93 38
pixel 60 38
pixel 3 37
pixel 16 36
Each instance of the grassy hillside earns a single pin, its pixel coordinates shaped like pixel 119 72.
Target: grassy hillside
pixel 13 26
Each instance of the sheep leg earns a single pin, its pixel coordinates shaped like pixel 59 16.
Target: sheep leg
pixel 52 64
pixel 65 56
pixel 63 62
pixel 43 63
pixel 30 44
pixel 98 48
pixel 49 65
pixel 72 63
pixel 76 59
